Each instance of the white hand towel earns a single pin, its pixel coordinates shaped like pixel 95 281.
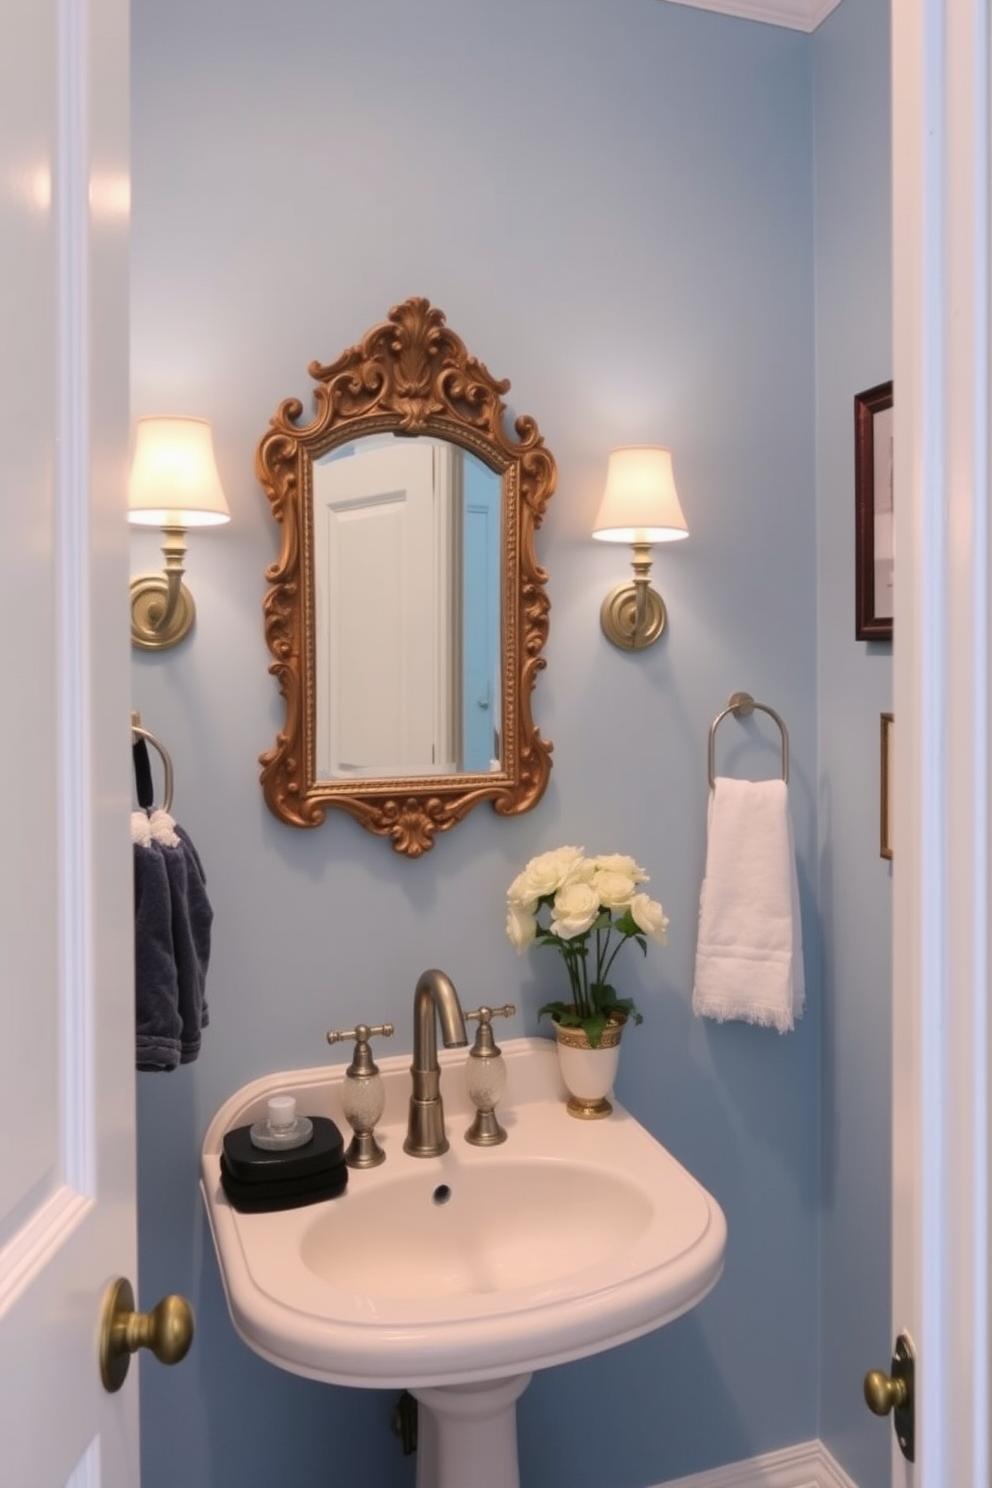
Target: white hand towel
pixel 749 955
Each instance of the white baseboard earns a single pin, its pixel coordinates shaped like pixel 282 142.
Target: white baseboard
pixel 808 1465
pixel 800 15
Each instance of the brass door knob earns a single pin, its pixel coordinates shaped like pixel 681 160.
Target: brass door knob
pixel 892 1394
pixel 167 1330
pixel 884 1393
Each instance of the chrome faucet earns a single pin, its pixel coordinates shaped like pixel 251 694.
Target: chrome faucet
pixel 435 993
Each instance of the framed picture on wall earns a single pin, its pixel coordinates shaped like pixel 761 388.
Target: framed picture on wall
pixel 873 549
pixel 885 788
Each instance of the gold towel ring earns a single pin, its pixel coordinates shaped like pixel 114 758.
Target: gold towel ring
pixel 742 705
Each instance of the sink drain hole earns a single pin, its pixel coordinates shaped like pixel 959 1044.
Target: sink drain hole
pixel 441 1194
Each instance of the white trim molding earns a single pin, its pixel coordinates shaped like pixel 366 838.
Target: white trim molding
pixel 797 15
pixel 808 1465
pixel 941 961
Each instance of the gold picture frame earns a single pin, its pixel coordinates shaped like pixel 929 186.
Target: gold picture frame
pixel 886 776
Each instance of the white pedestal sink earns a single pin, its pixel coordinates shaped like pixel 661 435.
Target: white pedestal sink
pixel 456 1276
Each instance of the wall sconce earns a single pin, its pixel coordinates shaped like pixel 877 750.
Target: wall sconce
pixel 173 485
pixel 640 506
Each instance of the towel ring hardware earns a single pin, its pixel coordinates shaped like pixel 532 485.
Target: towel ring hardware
pixel 742 705
pixel 142 733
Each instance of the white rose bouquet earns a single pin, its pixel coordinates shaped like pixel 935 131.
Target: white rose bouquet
pixel 593 907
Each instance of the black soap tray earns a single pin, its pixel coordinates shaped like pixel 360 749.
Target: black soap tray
pixel 257 1180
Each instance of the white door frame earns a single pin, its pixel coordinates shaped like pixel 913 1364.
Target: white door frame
pixel 941 92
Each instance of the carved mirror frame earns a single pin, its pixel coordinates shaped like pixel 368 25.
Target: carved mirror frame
pixel 413 376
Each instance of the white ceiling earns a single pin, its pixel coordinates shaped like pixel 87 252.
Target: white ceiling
pixel 799 15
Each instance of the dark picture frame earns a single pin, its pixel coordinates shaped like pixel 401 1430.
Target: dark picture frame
pixel 873 551
pixel 885 788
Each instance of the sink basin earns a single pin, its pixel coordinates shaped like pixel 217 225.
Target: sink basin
pixel 478 1265
pixel 500 1229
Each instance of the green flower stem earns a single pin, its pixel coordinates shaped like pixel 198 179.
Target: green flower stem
pixel 575 964
pixel 606 969
pixel 600 951
pixel 574 954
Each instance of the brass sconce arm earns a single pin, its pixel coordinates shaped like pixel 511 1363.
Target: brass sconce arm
pixel 633 615
pixel 162 608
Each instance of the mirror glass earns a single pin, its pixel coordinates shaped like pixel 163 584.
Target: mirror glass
pixel 406 614
pixel 407 547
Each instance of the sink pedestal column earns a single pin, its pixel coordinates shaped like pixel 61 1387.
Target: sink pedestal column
pixel 468 1434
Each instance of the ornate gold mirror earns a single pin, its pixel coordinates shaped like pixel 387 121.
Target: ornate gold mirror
pixel 406 614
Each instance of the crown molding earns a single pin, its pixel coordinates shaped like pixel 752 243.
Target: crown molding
pixel 798 15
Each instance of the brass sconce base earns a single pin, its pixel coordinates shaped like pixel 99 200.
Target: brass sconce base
pixel 153 628
pixel 632 621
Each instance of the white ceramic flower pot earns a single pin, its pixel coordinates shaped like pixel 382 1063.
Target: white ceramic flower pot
pixel 589 1074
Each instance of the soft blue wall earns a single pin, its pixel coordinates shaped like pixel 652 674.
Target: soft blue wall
pixel 851 93
pixel 612 201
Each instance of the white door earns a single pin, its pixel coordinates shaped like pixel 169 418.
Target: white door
pixel 67 1222
pixel 941 983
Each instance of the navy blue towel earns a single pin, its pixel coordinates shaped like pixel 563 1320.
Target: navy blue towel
pixel 173 921
pixel 192 919
pixel 158 1026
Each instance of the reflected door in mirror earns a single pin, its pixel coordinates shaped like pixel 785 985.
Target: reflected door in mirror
pixel 407 550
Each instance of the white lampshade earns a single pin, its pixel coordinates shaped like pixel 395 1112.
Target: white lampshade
pixel 174 480
pixel 640 503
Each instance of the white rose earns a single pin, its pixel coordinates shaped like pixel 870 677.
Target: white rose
pixel 620 863
pixel 615 889
pixel 650 917
pixel 521 927
pixel 583 870
pixel 576 906
pixel 545 875
pixel 522 893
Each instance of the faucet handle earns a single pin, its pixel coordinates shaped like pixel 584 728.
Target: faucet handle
pixel 485 1078
pixel 363 1097
pixel 362 1064
pixel 486 1014
pixel 485 1045
pixel 361 1033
